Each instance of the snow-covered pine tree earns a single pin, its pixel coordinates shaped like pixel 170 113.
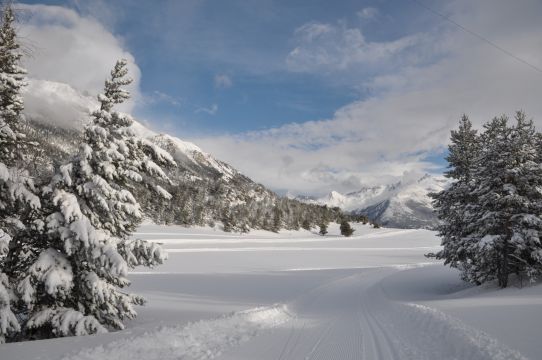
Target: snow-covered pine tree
pixel 505 225
pixel 277 219
pixel 451 204
pixel 346 229
pixel 17 193
pixel 323 229
pixel 74 286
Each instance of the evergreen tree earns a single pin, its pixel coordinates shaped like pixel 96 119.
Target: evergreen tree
pixel 73 286
pixel 452 204
pixel 277 219
pixel 505 223
pixel 17 194
pixel 228 221
pixel 323 229
pixel 306 224
pixel 346 229
pixel 491 214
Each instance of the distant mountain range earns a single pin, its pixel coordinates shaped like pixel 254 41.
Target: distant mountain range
pixel 404 204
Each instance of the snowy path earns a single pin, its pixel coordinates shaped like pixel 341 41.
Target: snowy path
pixel 348 317
pixel 351 318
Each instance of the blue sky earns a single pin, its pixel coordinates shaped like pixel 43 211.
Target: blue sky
pixel 181 47
pixel 303 96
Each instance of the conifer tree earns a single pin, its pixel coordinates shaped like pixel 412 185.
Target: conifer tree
pixel 346 229
pixel 505 223
pixel 277 219
pixel 452 204
pixel 491 214
pixel 74 285
pixel 17 193
pixel 323 229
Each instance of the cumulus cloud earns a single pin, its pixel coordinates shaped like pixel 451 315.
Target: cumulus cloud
pixel 57 104
pixel 72 49
pixel 223 81
pixel 383 137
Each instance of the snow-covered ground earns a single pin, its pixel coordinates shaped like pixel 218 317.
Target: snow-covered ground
pixel 297 295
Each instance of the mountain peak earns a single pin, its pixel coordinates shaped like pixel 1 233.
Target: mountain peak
pixel 404 204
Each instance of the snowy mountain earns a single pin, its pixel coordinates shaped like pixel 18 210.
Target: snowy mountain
pixel 205 190
pixel 404 204
pixel 61 111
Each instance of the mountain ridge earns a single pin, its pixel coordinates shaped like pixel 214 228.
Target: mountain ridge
pixel 205 190
pixel 403 204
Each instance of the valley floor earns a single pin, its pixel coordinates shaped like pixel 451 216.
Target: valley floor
pixel 297 295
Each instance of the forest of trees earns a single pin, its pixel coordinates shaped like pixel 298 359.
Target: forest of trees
pixel 238 204
pixel 491 214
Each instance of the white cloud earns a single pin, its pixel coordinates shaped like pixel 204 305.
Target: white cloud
pixel 436 76
pixel 223 81
pixel 160 97
pixel 368 13
pixel 329 48
pixel 212 110
pixel 378 139
pixel 75 50
pixel 57 104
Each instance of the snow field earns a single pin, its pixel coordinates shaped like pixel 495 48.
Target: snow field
pixel 297 295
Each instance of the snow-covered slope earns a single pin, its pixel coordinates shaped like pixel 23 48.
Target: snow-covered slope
pixel 193 157
pixel 204 189
pixel 404 204
pixel 58 106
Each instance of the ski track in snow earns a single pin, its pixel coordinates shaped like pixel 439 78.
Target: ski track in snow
pixel 347 318
pixel 351 318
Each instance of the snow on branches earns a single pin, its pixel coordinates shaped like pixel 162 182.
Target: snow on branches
pixel 74 286
pixel 491 216
pixel 18 199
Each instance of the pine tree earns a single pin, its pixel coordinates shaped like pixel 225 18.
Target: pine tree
pixel 227 221
pixel 453 203
pixel 323 229
pixel 505 223
pixel 73 287
pixel 491 214
pixel 346 229
pixel 17 193
pixel 277 219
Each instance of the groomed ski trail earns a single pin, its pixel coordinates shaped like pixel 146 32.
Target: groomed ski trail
pixel 352 318
pixel 348 317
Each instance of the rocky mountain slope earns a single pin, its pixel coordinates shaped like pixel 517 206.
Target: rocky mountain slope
pixel 404 204
pixel 205 190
